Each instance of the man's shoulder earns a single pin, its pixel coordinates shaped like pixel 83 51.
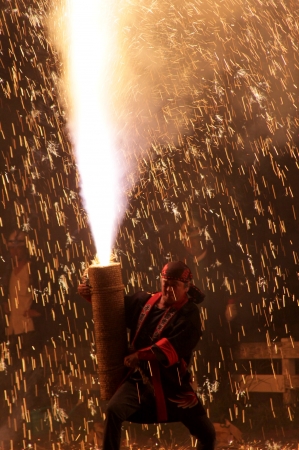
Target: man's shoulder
pixel 189 308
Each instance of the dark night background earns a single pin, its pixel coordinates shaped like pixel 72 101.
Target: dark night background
pixel 231 176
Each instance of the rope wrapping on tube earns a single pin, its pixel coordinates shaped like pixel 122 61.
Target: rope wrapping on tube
pixel 107 299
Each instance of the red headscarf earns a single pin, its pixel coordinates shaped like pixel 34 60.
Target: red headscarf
pixel 177 270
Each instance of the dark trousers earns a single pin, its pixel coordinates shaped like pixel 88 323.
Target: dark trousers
pixel 137 404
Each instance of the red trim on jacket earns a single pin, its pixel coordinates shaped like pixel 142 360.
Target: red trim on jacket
pixel 162 415
pixel 144 313
pixel 165 346
pixel 146 354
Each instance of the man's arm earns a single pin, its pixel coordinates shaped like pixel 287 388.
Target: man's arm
pixel 178 342
pixel 85 291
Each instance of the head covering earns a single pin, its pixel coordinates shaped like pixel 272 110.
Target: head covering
pixel 177 270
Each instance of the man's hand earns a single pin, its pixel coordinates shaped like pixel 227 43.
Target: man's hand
pixel 185 400
pixel 131 361
pixel 85 291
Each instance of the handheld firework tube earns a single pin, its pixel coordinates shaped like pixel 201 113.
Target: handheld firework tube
pixel 107 299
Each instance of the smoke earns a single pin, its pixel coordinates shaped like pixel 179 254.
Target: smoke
pixel 170 71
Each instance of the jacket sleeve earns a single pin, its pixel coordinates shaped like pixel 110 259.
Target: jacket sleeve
pixel 180 339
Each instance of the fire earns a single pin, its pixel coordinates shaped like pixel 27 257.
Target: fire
pixel 89 48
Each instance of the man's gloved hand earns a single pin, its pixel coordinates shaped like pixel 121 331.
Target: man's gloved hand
pixel 132 360
pixel 84 288
pixel 85 291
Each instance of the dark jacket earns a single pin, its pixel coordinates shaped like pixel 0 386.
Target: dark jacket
pixel 168 351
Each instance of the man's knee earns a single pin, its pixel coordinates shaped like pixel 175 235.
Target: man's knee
pixel 113 409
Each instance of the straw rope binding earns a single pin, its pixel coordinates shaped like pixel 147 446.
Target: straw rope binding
pixel 109 325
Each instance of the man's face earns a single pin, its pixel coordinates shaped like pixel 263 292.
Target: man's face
pixel 173 291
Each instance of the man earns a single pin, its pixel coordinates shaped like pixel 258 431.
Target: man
pixel 164 329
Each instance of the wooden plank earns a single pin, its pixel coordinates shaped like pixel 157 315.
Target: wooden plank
pixel 261 383
pixel 291 381
pixel 260 350
pixel 289 349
